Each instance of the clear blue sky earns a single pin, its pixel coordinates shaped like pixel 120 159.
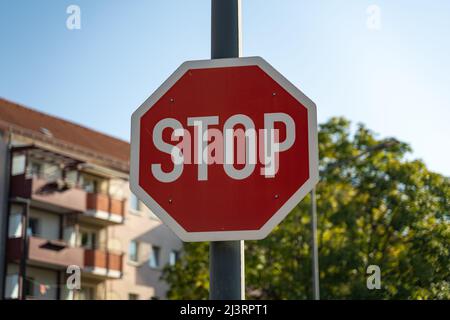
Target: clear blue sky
pixel 395 79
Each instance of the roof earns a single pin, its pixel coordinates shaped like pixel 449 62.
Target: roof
pixel 56 130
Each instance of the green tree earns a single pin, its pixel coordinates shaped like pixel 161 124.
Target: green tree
pixel 375 207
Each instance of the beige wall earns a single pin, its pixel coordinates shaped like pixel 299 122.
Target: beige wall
pixel 118 188
pixel 139 278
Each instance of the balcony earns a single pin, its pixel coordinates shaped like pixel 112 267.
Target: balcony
pixel 103 263
pixel 48 194
pixel 42 251
pixel 58 255
pixel 105 208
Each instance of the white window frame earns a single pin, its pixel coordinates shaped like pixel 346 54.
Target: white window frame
pixel 134 200
pixel 174 254
pixel 155 261
pixel 136 253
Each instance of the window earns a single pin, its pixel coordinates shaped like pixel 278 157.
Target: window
pixel 71 177
pixel 90 185
pixel 133 251
pixel 88 239
pixel 33 227
pixel 154 257
pixel 29 287
pixel 15 221
pixel 173 257
pixel 11 286
pixel 135 204
pixel 51 172
pixel 18 164
pixel 133 296
pixel 36 169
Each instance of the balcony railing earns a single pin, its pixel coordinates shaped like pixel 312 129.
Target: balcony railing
pixel 48 193
pixel 100 263
pixel 103 263
pixel 104 207
pixel 68 199
pixel 55 253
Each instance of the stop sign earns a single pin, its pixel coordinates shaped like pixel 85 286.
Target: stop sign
pixel 224 149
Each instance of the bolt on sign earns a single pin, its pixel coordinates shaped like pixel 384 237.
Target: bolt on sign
pixel 224 149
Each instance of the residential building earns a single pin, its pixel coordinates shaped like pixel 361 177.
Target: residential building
pixel 66 209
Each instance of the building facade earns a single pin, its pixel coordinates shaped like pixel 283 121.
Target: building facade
pixel 67 214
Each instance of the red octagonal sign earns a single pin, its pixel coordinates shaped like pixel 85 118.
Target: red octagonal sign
pixel 224 149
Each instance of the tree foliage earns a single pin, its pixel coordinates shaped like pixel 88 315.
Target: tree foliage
pixel 375 207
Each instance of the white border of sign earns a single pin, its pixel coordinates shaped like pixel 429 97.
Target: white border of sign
pixel 283 211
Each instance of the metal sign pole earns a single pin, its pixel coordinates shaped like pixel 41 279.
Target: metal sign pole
pixel 315 251
pixel 226 258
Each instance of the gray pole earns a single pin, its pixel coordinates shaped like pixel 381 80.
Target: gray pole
pixel 226 258
pixel 315 251
pixel 225 29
